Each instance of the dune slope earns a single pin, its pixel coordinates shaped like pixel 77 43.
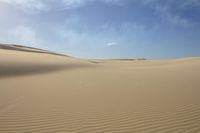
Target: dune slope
pixel 48 93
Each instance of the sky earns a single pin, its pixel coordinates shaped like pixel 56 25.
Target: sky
pixel 152 29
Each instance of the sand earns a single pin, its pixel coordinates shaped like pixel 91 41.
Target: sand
pixel 49 93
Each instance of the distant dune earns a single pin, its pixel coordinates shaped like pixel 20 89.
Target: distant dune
pixel 47 92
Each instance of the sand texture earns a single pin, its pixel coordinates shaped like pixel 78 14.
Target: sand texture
pixel 42 92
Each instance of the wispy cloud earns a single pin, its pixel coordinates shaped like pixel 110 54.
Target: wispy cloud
pixel 168 16
pixel 28 5
pixel 189 3
pixel 170 11
pixel 179 3
pixel 45 5
pixel 55 4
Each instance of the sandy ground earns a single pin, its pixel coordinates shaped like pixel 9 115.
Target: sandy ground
pixel 48 93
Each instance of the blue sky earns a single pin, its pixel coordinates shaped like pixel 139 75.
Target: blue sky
pixel 153 29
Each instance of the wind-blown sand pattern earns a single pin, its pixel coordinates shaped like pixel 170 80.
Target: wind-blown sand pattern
pixel 48 93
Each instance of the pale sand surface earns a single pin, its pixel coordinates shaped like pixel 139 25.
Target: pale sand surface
pixel 49 93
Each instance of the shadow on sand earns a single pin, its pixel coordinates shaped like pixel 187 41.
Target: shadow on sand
pixel 33 69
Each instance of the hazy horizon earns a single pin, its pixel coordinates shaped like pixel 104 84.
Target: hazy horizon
pixel 151 29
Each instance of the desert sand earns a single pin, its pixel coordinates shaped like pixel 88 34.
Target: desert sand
pixel 45 92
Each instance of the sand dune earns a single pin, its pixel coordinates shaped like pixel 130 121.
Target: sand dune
pixel 48 93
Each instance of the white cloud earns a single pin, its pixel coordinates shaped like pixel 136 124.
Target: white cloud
pixel 111 43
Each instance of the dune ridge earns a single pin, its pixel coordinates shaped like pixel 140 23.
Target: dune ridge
pixel 26 49
pixel 47 93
